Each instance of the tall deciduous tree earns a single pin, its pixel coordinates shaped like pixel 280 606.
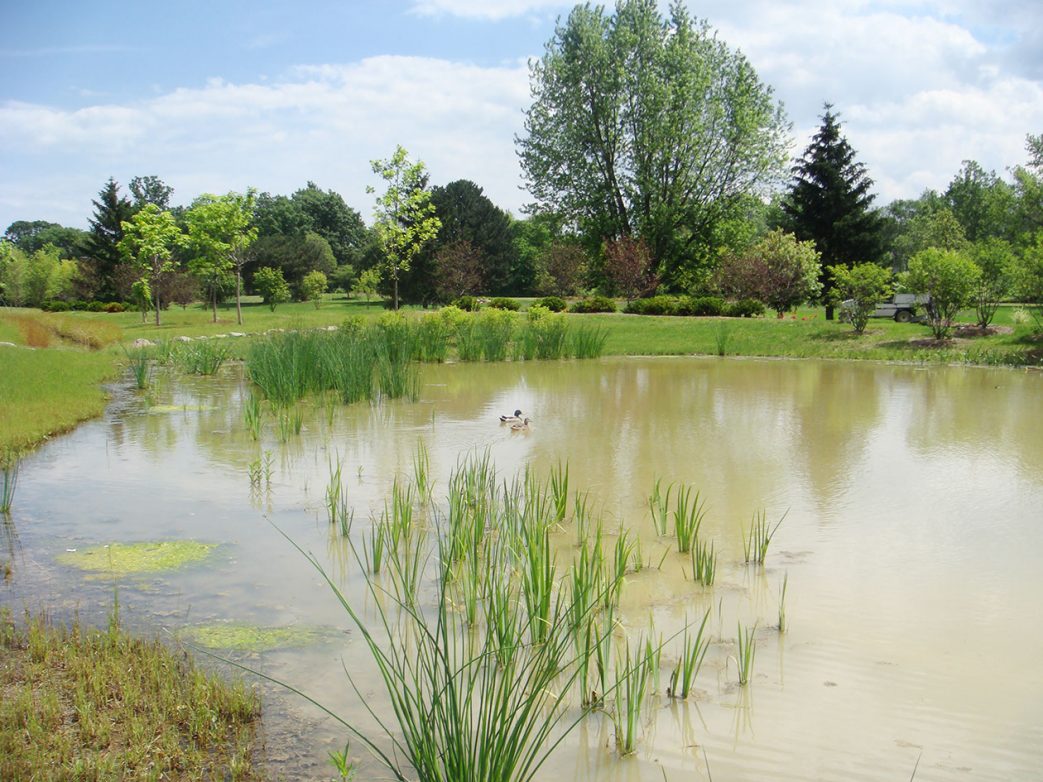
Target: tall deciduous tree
pixel 649 127
pixel 149 240
pixel 111 210
pixel 150 190
pixel 220 232
pixel 405 216
pixel 829 203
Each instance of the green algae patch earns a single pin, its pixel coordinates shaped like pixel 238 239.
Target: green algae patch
pixel 125 559
pixel 164 409
pixel 251 638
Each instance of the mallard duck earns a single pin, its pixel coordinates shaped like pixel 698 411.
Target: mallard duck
pixel 512 419
pixel 520 426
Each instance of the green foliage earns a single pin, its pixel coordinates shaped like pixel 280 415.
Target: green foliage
pixel 367 282
pixel 111 211
pixel 552 303
pixel 467 303
pixel 405 218
pixel 950 278
pixel 313 286
pixel 995 258
pixel 744 308
pixel 594 304
pixel 778 270
pixel 1029 277
pixel 270 284
pixel 647 126
pixel 31 280
pixel 829 202
pixel 149 241
pixel 503 303
pixel 219 234
pixel 865 285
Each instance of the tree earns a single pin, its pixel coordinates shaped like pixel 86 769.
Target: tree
pixel 270 284
pixel 313 286
pixel 325 213
pixel 995 258
pixel 295 256
pixel 829 203
pixel 149 240
pixel 864 285
pixel 647 127
pixel 405 218
pixel 563 266
pixel 150 190
pixel 32 236
pixel 367 283
pixel 778 270
pixel 949 277
pixel 981 202
pixel 220 233
pixel 458 270
pixel 1028 277
pixel 111 211
pixel 628 267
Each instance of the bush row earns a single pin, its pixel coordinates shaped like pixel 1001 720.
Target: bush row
pixel 698 306
pixel 57 305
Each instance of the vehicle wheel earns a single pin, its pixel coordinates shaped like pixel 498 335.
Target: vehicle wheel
pixel 903 316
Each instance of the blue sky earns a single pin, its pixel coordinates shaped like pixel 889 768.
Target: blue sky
pixel 220 96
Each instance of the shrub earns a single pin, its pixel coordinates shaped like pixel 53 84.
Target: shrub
pixel 744 308
pixel 706 306
pixel 552 303
pixel 505 303
pixel 55 305
pixel 114 306
pixel 594 304
pixel 864 284
pixel 467 303
pixel 654 305
pixel 95 306
pixel 950 278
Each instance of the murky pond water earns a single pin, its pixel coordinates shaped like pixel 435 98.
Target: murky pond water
pixel 911 546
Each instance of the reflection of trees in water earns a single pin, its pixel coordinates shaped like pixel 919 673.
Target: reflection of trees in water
pixel 977 410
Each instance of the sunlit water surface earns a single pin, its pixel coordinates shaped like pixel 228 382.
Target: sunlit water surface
pixel 912 546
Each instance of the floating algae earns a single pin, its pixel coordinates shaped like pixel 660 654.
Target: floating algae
pixel 163 409
pixel 123 559
pixel 251 638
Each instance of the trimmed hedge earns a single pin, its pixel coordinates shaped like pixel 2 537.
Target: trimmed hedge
pixel 504 303
pixel 553 303
pixel 594 304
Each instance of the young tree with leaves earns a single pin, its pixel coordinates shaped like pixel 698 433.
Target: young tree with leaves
pixel 220 233
pixel 149 240
pixel 829 203
pixel 864 285
pixel 778 270
pixel 270 284
pixel 313 286
pixel 995 258
pixel 405 216
pixel 628 267
pixel 950 278
pixel 648 127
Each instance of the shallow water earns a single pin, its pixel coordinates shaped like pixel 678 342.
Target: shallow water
pixel 912 530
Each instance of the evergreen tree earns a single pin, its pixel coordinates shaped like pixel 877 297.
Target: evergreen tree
pixel 111 210
pixel 829 203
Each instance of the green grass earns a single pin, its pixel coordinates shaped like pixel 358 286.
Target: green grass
pixel 81 703
pixel 44 392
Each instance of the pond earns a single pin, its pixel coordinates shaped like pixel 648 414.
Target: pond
pixel 910 500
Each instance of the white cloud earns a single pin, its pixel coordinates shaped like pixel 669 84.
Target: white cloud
pixel 486 9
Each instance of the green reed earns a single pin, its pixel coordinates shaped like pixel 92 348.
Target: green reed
pixel 755 543
pixel 659 506
pixel 722 336
pixel 495 328
pixel 431 338
pixel 542 337
pixel 253 415
pixel 140 365
pixel 631 688
pixel 588 341
pixel 537 579
pixel 201 356
pixel 9 462
pixel 782 604
pixel 746 652
pixel 688 517
pixel 375 548
pixel 422 472
pixel 290 421
pixel 559 490
pixel 338 509
pixel 704 562
pixel 693 652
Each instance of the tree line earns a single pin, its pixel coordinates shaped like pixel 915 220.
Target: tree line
pixel 656 160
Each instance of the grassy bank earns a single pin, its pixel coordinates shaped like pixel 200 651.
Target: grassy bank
pixel 88 704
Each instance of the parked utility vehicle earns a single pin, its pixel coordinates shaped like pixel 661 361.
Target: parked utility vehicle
pixel 902 307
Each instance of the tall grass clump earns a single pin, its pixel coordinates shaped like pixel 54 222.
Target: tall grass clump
pixel 253 416
pixel 431 340
pixel 634 676
pixel 746 652
pixel 588 341
pixel 140 366
pixel 693 651
pixel 689 513
pixel 544 335
pixel 495 328
pixel 201 356
pixel 659 507
pixel 755 543
pixel 350 359
pixel 704 562
pixel 8 479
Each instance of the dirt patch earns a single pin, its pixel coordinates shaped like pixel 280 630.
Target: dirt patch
pixel 968 332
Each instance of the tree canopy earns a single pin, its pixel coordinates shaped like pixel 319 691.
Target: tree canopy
pixel 829 202
pixel 648 127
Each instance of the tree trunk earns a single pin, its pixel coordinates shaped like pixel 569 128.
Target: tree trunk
pixel 238 306
pixel 829 312
pixel 213 301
